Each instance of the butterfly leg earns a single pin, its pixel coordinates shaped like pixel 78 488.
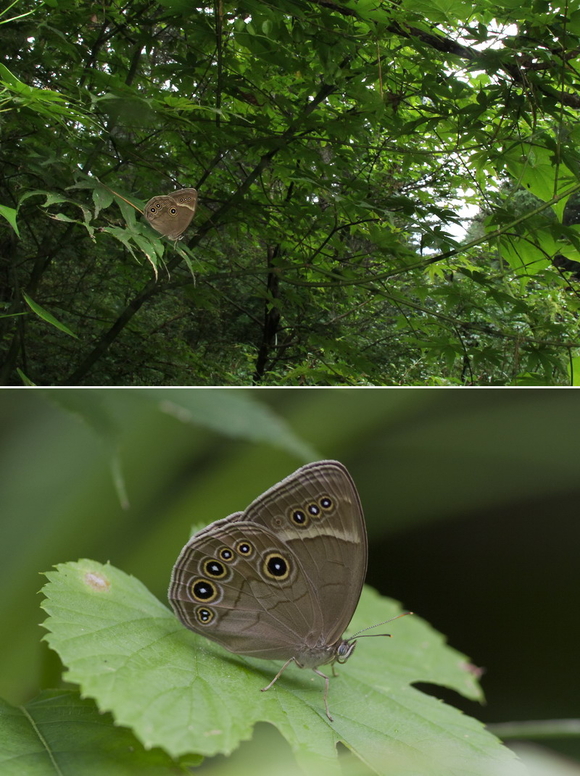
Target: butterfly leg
pixel 326 683
pixel 279 674
pixel 316 671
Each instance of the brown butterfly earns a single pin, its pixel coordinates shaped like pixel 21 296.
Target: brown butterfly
pixel 171 214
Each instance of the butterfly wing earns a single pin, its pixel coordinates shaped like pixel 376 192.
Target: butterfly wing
pixel 317 513
pixel 237 584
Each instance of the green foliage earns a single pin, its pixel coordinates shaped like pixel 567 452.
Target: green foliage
pixel 46 316
pixel 178 691
pixel 58 732
pixel 334 147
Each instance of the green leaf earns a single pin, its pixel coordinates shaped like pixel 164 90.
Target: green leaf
pixel 574 370
pixel 440 10
pixel 7 77
pixel 92 408
pixel 523 256
pixel 46 102
pixel 46 316
pixel 59 733
pixel 51 197
pixel 180 691
pixel 26 380
pixel 234 415
pixel 539 173
pixel 152 247
pixel 10 214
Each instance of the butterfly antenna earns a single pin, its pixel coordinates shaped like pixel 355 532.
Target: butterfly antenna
pixel 378 624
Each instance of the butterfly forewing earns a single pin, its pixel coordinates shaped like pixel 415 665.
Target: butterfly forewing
pixel 331 544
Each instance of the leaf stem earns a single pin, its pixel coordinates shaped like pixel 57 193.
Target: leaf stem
pixel 541 728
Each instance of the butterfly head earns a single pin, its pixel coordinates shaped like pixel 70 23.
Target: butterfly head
pixel 345 650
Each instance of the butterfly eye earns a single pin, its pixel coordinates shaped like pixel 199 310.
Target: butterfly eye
pixel 173 211
pixel 344 650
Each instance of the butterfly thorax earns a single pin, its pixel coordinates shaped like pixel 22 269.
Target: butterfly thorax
pixel 319 655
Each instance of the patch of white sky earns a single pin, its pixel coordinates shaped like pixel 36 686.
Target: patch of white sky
pixel 463 200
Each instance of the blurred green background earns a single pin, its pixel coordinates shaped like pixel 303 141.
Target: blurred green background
pixel 471 500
